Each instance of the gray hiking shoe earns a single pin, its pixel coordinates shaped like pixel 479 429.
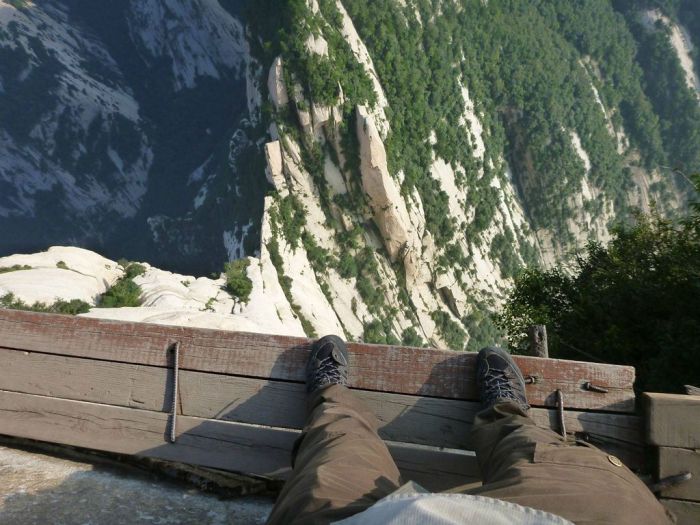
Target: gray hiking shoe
pixel 499 379
pixel 328 363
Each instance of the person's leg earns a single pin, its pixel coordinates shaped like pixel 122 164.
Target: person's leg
pixel 535 467
pixel 340 467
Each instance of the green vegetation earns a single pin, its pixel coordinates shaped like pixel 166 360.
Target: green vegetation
pixel 482 329
pixel 14 268
pixel 285 28
pixel 675 104
pixel 411 338
pixel 209 306
pixel 451 332
pixel 379 332
pixel 125 292
pixel 18 4
pixel 530 67
pixel 634 302
pixel 537 71
pixel 238 284
pixel 286 284
pixel 72 307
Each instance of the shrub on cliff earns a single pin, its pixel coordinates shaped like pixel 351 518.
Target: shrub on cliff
pixel 125 292
pixel 72 307
pixel 238 283
pixel 634 302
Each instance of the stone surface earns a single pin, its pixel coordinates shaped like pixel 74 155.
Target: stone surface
pixel 273 155
pixel 168 298
pixel 276 86
pixel 174 299
pixel 42 489
pixel 363 57
pixel 317 44
pixel 82 275
pixel 389 208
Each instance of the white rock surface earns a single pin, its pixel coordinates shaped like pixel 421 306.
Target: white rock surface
pixel 168 298
pixel 273 171
pixel 470 120
pixel 317 44
pixel 582 153
pixel 680 40
pixel 38 488
pixel 276 86
pixel 360 50
pixel 390 213
pixel 88 275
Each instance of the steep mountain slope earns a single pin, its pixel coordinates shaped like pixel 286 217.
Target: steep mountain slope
pixel 391 164
pixel 116 119
pixel 473 138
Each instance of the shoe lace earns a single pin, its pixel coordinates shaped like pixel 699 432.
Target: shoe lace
pixel 328 371
pixel 499 386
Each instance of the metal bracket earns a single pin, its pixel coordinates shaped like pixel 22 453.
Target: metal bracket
pixel 560 413
pixel 670 481
pixel 173 408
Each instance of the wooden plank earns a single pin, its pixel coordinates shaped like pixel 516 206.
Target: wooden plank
pixel 435 471
pixel 428 421
pixel 686 512
pixel 218 444
pixel 674 461
pixel 673 420
pixel 394 369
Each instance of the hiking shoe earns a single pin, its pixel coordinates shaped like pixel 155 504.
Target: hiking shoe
pixel 328 363
pixel 499 379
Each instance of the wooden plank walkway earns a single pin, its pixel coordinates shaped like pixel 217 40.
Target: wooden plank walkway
pixel 107 385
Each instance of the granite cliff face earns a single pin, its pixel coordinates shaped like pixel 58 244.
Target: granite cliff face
pixel 118 123
pixel 378 197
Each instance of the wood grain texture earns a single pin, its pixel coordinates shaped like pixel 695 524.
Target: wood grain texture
pixel 686 512
pixel 673 420
pixel 673 461
pixel 421 420
pixel 218 444
pixel 401 370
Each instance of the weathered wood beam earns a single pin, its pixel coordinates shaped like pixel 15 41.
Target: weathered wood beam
pixel 673 420
pixel 394 369
pixel 428 421
pixel 673 461
pixel 218 444
pixel 687 512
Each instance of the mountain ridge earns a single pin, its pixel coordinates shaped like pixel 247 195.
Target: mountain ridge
pixel 390 186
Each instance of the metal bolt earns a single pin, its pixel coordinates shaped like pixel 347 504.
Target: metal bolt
pixel 594 388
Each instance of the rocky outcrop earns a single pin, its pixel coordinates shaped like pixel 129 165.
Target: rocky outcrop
pixel 60 273
pixel 276 86
pixel 274 169
pixel 681 42
pixel 317 44
pixel 66 273
pixel 388 207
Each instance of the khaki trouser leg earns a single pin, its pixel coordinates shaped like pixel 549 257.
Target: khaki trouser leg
pixel 532 466
pixel 341 467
